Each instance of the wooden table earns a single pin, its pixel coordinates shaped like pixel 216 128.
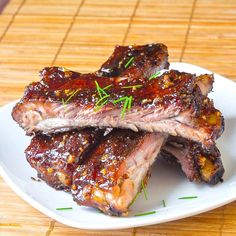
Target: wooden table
pixel 80 35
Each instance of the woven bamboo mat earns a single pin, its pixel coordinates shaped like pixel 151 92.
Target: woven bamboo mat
pixel 80 35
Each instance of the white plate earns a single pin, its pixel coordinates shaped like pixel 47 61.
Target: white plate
pixel 166 183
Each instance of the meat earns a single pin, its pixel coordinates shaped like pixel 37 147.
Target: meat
pixel 198 164
pixel 57 83
pixel 111 177
pixel 56 157
pixel 205 83
pixel 110 166
pixel 171 103
pixel 148 60
pixel 142 102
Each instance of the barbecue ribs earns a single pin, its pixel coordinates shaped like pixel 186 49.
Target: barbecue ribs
pixel 112 175
pixel 197 163
pixel 56 157
pixel 172 103
pixel 134 90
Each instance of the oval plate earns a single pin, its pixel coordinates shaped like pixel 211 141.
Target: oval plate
pixel 167 182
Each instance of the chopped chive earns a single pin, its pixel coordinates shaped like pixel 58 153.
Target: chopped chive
pixel 98 88
pixel 107 87
pixel 145 213
pixel 144 190
pixel 102 94
pixel 154 75
pixel 163 203
pixel 64 208
pixel 71 92
pixel 68 99
pixel 124 107
pixel 101 90
pixel 130 102
pixel 100 106
pixel 119 100
pixel 129 62
pixel 135 198
pixel 133 86
pixel 101 99
pixel 188 197
pixel 127 104
pixel 63 101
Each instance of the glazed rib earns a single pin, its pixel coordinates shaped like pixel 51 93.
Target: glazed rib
pixel 111 177
pixel 177 110
pixel 55 157
pixel 133 90
pixel 148 59
pixel 57 84
pixel 171 103
pixel 197 163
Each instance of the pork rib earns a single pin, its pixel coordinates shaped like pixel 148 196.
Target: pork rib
pixel 111 177
pixel 171 103
pixel 174 110
pixel 148 59
pixel 55 157
pixel 198 164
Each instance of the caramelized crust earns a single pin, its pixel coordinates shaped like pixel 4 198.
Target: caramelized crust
pixel 172 99
pixel 198 164
pixel 106 171
pixel 171 87
pixel 55 157
pixel 205 83
pixel 171 102
pixel 110 178
pixel 148 59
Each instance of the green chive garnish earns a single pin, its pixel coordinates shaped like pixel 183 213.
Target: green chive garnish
pixel 154 75
pixel 145 213
pixel 144 190
pixel 135 198
pixel 72 94
pixel 63 101
pixel 101 99
pixel 119 100
pixel 97 108
pixel 133 86
pixel 64 208
pixel 130 102
pixel 104 99
pixel 163 203
pixel 100 90
pixel 108 86
pixel 127 104
pixel 124 107
pixel 188 197
pixel 129 62
pixel 103 96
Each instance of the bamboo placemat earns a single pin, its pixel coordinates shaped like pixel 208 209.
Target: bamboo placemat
pixel 80 35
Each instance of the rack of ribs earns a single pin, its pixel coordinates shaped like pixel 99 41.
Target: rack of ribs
pixel 112 176
pixel 173 103
pixel 104 171
pixel 143 102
